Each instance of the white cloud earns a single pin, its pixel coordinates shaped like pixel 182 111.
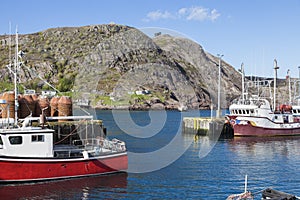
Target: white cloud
pixel 182 11
pixel 156 15
pixel 199 14
pixel 192 13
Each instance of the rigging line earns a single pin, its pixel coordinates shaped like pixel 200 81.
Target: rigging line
pixel 34 73
pixel 71 133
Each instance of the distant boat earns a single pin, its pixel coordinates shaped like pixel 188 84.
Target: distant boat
pixel 254 117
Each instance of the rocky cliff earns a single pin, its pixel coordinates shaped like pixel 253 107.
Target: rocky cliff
pixel 119 66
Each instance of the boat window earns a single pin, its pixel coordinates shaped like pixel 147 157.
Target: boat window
pixel 1 143
pixel 247 111
pixel 37 138
pixel 15 140
pixel 244 112
pixel 252 111
pixel 240 112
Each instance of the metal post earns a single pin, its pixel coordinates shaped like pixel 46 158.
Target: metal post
pixel 243 81
pixel 290 92
pixel 15 79
pixel 299 83
pixel 275 80
pixel 219 87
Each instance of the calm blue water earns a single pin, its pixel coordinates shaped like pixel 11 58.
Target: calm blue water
pixel 207 169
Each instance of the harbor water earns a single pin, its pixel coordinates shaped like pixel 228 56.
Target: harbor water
pixel 168 163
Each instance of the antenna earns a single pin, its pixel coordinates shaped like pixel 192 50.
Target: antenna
pixel 9 55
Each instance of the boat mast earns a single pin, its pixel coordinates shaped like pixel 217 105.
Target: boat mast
pixel 275 78
pixel 246 182
pixel 290 92
pixel 243 82
pixel 15 78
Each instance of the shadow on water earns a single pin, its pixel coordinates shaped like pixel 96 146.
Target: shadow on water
pixel 76 188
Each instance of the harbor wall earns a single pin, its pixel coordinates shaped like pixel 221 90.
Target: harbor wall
pixel 202 126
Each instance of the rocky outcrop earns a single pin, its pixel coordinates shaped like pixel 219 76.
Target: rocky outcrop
pixel 113 65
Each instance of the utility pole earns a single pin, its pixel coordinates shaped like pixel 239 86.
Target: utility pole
pixel 219 86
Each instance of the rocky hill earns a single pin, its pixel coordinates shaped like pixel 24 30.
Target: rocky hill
pixel 119 66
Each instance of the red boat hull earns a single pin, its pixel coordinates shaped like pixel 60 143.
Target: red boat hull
pixel 250 130
pixel 18 170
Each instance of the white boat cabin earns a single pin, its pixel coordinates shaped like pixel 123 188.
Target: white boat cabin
pixel 26 142
pixel 250 107
pixel 259 107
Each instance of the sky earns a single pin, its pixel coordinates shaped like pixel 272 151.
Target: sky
pixel 253 32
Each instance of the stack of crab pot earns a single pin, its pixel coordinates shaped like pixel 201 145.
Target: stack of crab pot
pixel 27 106
pixel 43 105
pixel 54 106
pixel 64 107
pixel 10 99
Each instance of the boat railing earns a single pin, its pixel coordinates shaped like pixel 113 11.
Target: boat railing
pixel 102 144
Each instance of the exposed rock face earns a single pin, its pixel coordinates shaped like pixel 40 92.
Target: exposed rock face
pixel 112 65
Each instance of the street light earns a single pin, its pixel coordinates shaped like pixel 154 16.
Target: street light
pixel 219 86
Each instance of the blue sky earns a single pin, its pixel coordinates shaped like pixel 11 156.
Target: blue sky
pixel 253 32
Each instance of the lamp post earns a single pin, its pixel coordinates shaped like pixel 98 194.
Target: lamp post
pixel 219 86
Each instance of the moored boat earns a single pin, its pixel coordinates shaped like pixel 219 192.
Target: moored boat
pixel 255 117
pixel 47 147
pixel 29 153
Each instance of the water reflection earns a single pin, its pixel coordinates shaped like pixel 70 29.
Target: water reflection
pixel 266 146
pixel 81 188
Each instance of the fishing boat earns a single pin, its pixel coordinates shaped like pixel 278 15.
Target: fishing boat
pixel 54 147
pixel 254 116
